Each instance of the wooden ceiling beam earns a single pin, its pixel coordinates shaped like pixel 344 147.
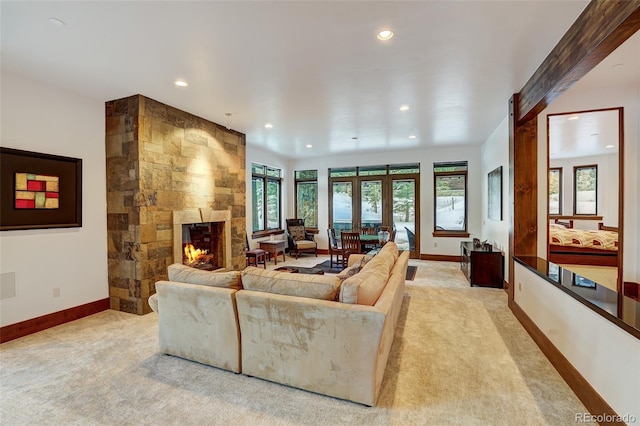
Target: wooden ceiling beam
pixel 599 30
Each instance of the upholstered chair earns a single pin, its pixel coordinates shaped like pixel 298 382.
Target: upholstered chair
pixel 300 241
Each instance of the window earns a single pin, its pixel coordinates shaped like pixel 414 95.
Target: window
pixel 266 185
pixel 307 197
pixel 555 190
pixel 585 189
pixel 450 199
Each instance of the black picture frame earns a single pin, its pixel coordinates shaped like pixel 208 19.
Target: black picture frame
pixel 68 214
pixel 494 200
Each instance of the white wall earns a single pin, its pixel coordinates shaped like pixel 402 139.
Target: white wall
pixel 607 190
pixel 41 118
pixel 581 100
pixel 426 158
pixel 495 153
pixel 604 354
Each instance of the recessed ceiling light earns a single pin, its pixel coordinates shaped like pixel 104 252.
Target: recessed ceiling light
pixel 617 66
pixel 594 134
pixel 385 35
pixel 181 83
pixel 268 126
pixel 574 117
pixel 412 136
pixel 610 146
pixel 309 145
pixel 57 22
pixel 355 138
pixel 404 108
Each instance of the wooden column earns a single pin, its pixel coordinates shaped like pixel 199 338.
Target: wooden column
pixel 523 188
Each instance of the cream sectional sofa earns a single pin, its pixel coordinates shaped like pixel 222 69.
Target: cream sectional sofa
pixel 308 331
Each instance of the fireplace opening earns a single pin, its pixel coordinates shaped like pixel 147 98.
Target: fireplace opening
pixel 203 245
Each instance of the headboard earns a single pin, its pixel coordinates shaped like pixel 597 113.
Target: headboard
pixel 602 227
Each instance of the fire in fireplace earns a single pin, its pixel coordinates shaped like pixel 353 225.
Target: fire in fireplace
pixel 207 230
pixel 202 245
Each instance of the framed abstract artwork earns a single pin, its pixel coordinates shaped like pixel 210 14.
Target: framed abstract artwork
pixel 39 191
pixel 495 194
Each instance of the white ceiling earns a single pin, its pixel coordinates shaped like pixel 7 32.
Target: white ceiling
pixel 315 70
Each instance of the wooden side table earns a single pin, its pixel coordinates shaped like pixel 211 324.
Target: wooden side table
pixel 482 267
pixel 274 247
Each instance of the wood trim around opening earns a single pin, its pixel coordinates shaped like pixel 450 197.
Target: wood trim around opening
pixel 24 328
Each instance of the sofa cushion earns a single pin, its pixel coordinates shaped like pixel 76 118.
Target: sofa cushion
pixel 305 244
pixel 297 232
pixel 349 272
pixel 153 302
pixel 391 247
pixel 185 274
pixel 323 287
pixel 365 287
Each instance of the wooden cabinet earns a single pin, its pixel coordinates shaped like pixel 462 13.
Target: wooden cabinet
pixel 482 267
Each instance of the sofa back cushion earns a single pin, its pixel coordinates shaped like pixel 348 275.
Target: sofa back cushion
pixel 185 274
pixel 323 287
pixel 365 287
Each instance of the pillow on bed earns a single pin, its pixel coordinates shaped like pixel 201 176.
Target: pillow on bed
pixel 557 225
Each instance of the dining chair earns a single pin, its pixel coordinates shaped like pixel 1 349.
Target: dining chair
pixel 335 248
pixel 351 244
pixel 411 236
pixel 369 245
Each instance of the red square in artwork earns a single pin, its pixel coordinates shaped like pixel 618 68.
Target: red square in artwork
pixel 36 185
pixel 25 204
pixel 51 195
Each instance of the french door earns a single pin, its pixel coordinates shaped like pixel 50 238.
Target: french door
pixel 360 202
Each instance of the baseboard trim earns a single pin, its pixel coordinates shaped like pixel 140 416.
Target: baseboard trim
pixel 580 386
pixel 24 328
pixel 440 257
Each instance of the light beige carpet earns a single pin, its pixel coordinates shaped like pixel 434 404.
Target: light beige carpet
pixel 459 358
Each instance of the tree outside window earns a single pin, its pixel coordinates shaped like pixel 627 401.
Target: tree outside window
pixel 307 197
pixel 585 200
pixel 450 197
pixel 266 193
pixel 555 190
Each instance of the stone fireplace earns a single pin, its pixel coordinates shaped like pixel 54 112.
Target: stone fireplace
pixel 204 229
pixel 166 166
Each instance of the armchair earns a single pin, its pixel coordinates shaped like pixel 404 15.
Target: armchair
pixel 300 241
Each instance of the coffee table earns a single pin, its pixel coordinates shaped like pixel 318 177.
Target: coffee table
pixel 300 270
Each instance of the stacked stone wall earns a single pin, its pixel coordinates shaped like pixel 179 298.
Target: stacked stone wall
pixel 159 160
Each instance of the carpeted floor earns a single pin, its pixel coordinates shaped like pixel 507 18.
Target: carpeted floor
pixel 459 357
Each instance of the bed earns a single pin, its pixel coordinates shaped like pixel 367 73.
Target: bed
pixel 582 246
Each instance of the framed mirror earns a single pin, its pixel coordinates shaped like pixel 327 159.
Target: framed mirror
pixel 586 204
